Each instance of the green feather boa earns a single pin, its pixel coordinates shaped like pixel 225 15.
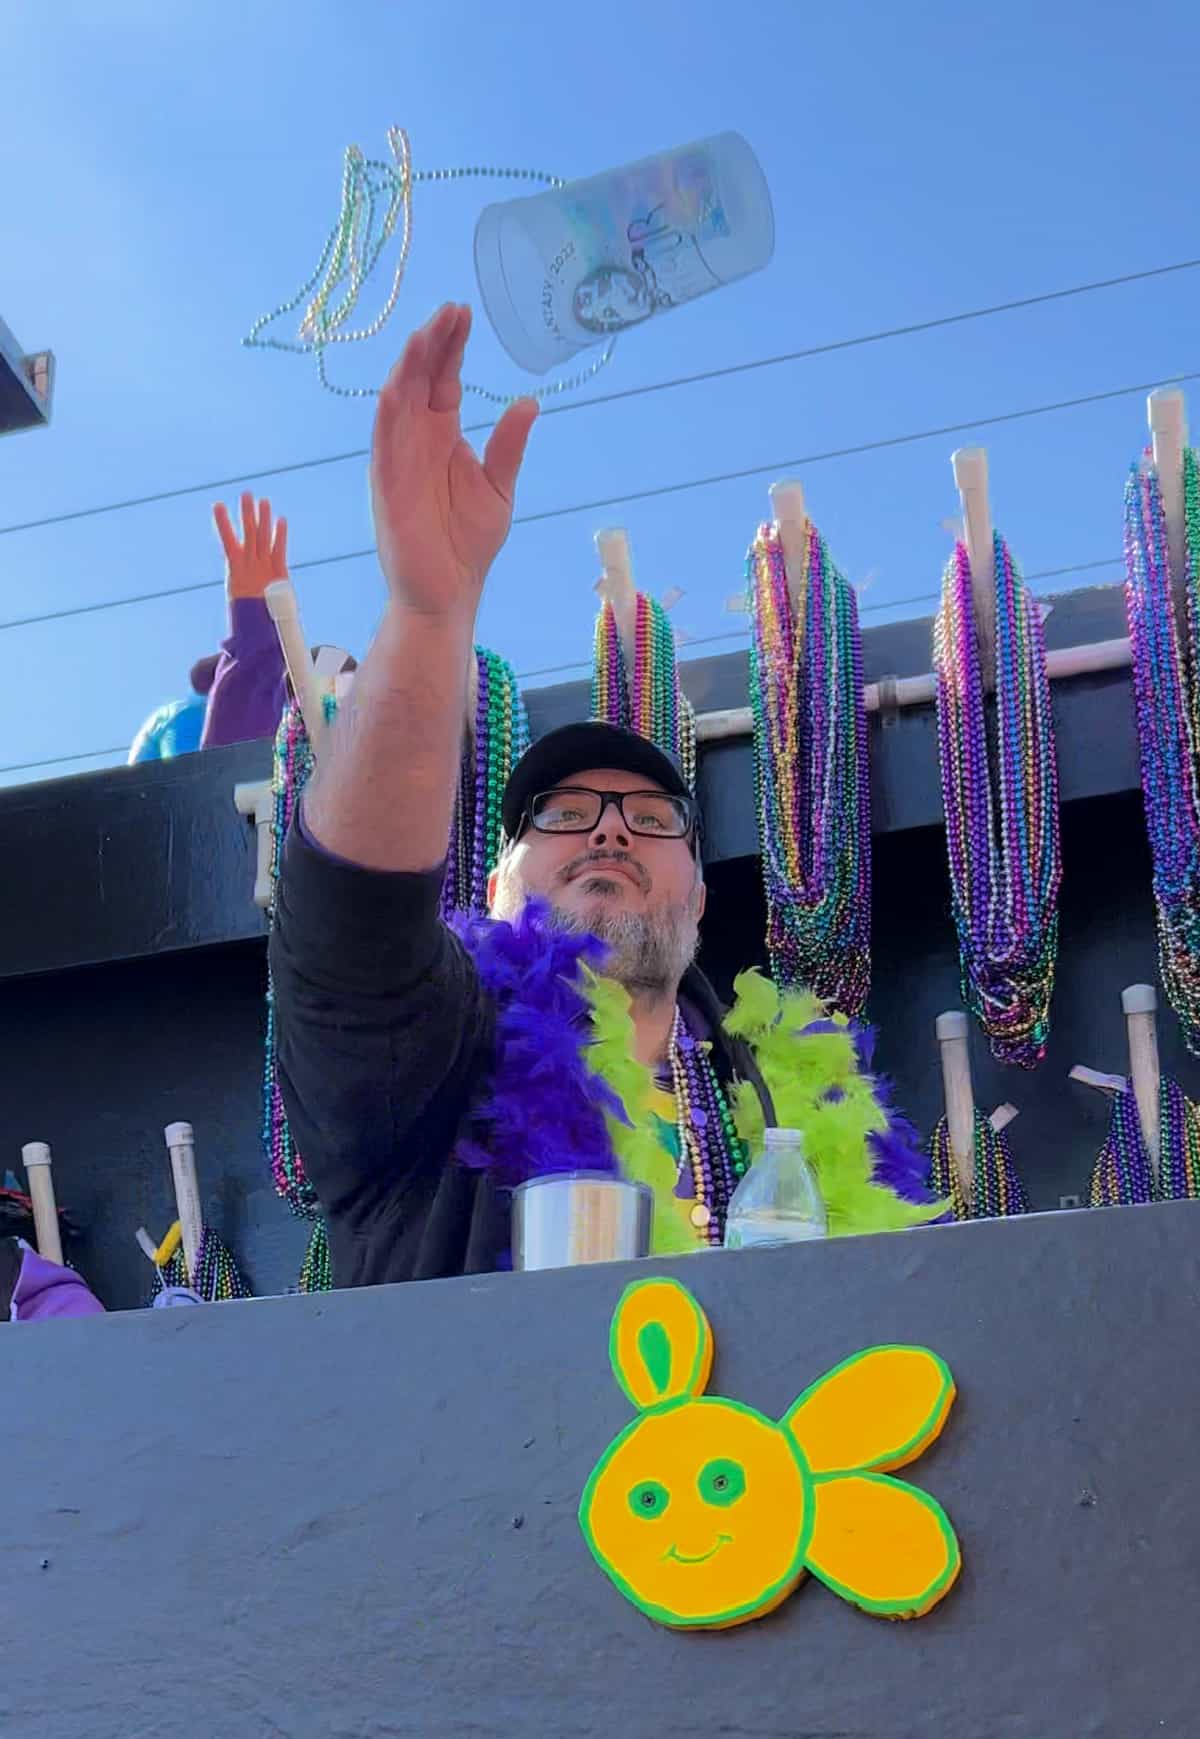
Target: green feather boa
pixel 799 1068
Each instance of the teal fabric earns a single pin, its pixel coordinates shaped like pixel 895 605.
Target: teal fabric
pixel 173 730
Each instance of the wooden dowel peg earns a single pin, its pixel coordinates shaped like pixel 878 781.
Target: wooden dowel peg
pixel 1103 1083
pixel 616 586
pixel 1002 1116
pixel 1166 413
pixel 951 1029
pixel 1139 1002
pixel 256 801
pixel 791 516
pixel 181 1145
pixel 284 610
pixel 971 478
pixel 35 1156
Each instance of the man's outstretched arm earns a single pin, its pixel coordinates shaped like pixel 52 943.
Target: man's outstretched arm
pixel 383 795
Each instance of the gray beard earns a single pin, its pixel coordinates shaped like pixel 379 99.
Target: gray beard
pixel 648 953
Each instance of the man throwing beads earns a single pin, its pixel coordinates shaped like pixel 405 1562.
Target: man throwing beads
pixel 427 1069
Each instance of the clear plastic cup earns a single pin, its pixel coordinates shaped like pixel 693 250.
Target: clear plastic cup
pixel 571 267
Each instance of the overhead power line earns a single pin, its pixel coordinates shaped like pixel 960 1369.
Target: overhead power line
pixel 685 645
pixel 883 335
pixel 659 490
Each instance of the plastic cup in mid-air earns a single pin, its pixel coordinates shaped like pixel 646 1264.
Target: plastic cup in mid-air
pixel 571 267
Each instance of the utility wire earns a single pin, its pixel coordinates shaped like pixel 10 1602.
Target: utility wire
pixel 828 349
pixel 584 664
pixel 660 490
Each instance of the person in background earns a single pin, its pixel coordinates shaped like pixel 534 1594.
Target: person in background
pixel 175 729
pixel 31 1288
pixel 250 687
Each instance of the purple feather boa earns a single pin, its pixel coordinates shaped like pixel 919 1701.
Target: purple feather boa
pixel 545 1103
pixel 542 1101
pixel 900 1165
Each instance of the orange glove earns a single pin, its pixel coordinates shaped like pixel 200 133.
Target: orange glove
pixel 260 557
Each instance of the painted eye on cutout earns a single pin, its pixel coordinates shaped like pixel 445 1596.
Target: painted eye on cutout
pixel 722 1482
pixel 649 1499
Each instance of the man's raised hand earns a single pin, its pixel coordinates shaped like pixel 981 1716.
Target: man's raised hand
pixel 441 514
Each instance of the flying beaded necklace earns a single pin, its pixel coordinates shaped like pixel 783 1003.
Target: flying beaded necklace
pixel 648 699
pixel 997 1191
pixel 811 772
pixel 1125 1173
pixel 376 199
pixel 1167 710
pixel 500 736
pixel 1001 831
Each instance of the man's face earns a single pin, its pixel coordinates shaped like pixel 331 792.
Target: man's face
pixel 611 881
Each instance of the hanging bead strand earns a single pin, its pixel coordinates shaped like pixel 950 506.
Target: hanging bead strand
pixel 1166 689
pixel 812 783
pixel 1002 838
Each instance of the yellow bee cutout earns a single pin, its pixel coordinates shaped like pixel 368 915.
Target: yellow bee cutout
pixel 705 1513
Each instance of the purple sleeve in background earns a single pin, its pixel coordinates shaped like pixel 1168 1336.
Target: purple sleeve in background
pixel 44 1290
pixel 249 690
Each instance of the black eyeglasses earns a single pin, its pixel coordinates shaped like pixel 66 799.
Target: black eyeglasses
pixel 577 809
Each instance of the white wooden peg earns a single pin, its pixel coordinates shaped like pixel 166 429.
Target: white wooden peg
pixel 791 516
pixel 1139 1002
pixel 35 1156
pixel 1098 1078
pixel 951 1029
pixel 284 610
pixel 181 1145
pixel 1166 412
pixel 970 468
pixel 256 801
pixel 616 586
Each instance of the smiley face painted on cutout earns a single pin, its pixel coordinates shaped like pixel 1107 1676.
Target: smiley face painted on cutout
pixel 706 1514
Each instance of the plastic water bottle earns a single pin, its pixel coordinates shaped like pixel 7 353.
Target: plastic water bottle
pixel 572 266
pixel 777 1202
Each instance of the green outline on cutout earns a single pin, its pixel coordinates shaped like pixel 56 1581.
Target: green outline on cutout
pixel 703 1344
pixel 918 1604
pixel 874 1471
pixel 918 1442
pixel 769 1597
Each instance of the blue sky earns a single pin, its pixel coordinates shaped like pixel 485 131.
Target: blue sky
pixel 170 171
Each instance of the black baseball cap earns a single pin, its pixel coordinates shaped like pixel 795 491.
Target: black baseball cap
pixel 559 754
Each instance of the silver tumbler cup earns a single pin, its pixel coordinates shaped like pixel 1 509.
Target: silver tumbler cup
pixel 579 1216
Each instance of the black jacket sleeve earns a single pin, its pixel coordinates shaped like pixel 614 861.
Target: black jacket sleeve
pixel 382 1029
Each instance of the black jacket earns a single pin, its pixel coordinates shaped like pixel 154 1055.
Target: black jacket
pixel 385 1039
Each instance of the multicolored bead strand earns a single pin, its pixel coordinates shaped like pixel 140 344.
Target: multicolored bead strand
pixel 709 1144
pixel 217 1277
pixel 997 1191
pixel 1001 811
pixel 499 737
pixel 647 699
pixel 316 1272
pixel 1125 1173
pixel 293 764
pixel 374 190
pixel 1166 690
pixel 811 772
